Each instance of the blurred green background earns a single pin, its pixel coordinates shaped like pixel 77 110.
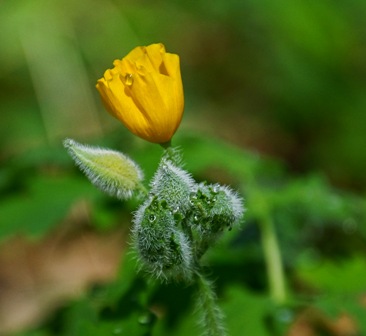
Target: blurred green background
pixel 275 106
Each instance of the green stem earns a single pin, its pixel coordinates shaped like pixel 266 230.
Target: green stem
pixel 273 259
pixel 211 315
pixel 171 153
pixel 166 145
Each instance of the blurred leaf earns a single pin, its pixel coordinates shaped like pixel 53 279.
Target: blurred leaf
pixel 344 277
pixel 44 203
pixel 335 306
pixel 245 312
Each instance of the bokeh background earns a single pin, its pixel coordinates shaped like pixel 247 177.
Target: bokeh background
pixel 275 93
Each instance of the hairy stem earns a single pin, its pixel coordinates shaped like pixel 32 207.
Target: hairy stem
pixel 211 315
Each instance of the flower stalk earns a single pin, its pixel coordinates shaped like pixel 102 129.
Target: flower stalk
pixel 211 317
pixel 273 259
pixel 270 245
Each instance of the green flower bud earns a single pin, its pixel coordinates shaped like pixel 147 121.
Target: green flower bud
pixel 162 249
pixel 174 185
pixel 213 208
pixel 110 171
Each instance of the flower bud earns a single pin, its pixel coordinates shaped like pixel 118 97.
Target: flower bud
pixel 110 171
pixel 174 185
pixel 213 208
pixel 144 91
pixel 163 250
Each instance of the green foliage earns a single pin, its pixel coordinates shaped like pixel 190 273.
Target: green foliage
pixel 246 311
pixel 41 204
pixel 285 78
pixel 305 211
pixel 328 275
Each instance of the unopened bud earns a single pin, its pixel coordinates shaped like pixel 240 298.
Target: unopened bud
pixel 163 250
pixel 173 185
pixel 213 208
pixel 110 171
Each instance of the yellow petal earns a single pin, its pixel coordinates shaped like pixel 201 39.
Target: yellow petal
pixel 155 54
pixel 146 56
pixel 144 91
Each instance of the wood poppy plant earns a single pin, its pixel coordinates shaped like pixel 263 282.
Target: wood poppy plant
pixel 144 91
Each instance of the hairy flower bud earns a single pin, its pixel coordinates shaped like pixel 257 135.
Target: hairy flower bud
pixel 213 208
pixel 163 250
pixel 110 171
pixel 174 185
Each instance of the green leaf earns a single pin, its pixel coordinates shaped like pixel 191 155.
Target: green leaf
pixel 42 206
pixel 245 312
pixel 343 277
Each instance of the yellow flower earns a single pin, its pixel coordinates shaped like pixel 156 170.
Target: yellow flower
pixel 144 91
